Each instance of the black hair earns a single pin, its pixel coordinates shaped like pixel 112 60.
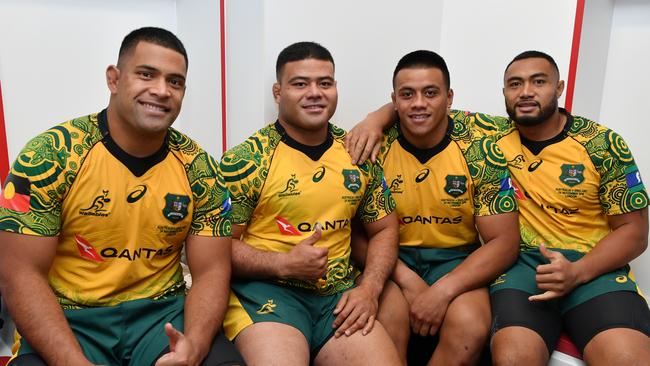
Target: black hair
pixel 423 59
pixel 534 54
pixel 301 51
pixel 157 36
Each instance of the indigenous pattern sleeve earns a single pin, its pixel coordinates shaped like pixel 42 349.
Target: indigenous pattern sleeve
pixel 42 175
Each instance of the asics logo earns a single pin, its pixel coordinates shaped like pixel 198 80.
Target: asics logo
pixel 134 196
pixel 422 176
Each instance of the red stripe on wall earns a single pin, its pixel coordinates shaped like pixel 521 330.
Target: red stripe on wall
pixel 222 31
pixel 575 48
pixel 4 156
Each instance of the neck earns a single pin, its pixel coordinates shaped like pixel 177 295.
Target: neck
pixel 133 142
pixel 429 140
pixel 306 137
pixel 545 130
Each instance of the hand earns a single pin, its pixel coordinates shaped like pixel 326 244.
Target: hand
pixel 364 140
pixel 305 261
pixel 557 278
pixel 428 311
pixel 356 310
pixel 181 351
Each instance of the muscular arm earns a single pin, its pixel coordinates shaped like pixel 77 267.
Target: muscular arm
pixel 25 261
pixel 207 299
pixel 304 261
pixel 500 235
pixel 627 240
pixel 383 241
pixel 358 307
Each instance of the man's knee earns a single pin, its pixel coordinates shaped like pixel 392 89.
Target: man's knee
pixel 518 346
pixel 618 346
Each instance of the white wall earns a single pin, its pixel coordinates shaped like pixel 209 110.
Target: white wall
pixel 479 38
pixel 198 29
pixel 53 57
pixel 625 93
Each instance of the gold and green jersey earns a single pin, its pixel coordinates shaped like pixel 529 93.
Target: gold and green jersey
pixel 281 190
pixel 121 221
pixel 439 191
pixel 568 185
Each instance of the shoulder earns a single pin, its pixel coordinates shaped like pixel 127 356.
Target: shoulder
pixel 251 155
pixel 600 142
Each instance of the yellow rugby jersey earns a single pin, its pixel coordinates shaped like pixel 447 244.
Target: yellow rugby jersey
pixel 439 191
pixel 281 189
pixel 567 186
pixel 121 221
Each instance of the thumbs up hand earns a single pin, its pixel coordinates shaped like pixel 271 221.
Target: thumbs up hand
pixel 181 351
pixel 305 261
pixel 557 278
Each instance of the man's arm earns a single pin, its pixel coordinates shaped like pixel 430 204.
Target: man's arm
pixel 205 306
pixel 500 234
pixel 303 262
pixel 627 240
pixel 364 140
pixel 25 261
pixel 358 306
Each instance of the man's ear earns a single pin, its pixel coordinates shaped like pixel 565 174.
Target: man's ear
pixel 112 78
pixel 560 89
pixel 276 92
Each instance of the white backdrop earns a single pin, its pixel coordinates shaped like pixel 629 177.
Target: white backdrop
pixel 53 54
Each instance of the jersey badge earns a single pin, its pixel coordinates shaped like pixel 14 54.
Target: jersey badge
pixel 396 183
pixel 267 308
pixel 97 207
pixel 15 194
pixel 517 162
pixel 86 249
pixel 456 185
pixel 285 227
pixel 572 174
pixel 352 180
pixel 290 189
pixel 175 207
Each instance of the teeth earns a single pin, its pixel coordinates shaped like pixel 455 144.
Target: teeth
pixel 153 107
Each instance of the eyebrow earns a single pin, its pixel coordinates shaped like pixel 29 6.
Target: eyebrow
pixel 320 78
pixel 154 69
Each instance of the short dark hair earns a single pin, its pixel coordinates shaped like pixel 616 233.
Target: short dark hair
pixel 301 51
pixel 423 59
pixel 534 54
pixel 157 36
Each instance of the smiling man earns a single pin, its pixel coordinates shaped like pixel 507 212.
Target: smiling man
pixel 450 187
pixel 93 217
pixel 295 194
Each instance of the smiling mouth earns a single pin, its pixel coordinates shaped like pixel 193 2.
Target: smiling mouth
pixel 420 117
pixel 154 107
pixel 314 108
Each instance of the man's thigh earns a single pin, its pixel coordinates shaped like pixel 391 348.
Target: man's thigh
pixel 621 309
pixel 511 308
pixel 375 348
pixel 253 302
